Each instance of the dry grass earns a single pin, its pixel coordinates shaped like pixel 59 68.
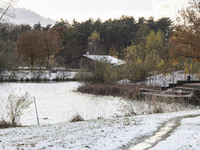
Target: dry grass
pixel 161 104
pixel 77 118
pixel 127 91
pixel 150 103
pixel 5 124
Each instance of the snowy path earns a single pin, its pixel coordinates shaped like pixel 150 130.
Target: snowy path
pixel 158 136
pixel 185 137
pixel 162 134
pixel 106 134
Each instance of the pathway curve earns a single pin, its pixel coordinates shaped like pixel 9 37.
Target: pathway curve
pixel 160 135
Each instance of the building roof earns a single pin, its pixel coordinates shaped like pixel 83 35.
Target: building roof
pixel 106 59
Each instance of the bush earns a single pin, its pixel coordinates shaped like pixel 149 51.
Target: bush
pixel 127 91
pixel 99 73
pixel 83 75
pixel 77 118
pixel 14 107
pixel 5 124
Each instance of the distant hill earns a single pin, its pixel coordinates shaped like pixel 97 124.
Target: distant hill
pixel 25 16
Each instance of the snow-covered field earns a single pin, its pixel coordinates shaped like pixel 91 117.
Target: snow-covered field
pixel 105 134
pixel 59 102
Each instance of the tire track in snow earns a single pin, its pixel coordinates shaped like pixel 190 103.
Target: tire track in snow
pixel 160 135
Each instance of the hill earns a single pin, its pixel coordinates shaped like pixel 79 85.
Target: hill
pixel 25 16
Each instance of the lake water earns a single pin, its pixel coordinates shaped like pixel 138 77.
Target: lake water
pixel 59 102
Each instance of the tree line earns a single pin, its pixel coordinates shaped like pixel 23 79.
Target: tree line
pixel 65 41
pixel 147 45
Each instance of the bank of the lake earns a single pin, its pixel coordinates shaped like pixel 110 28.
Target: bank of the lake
pixel 58 102
pixel 37 75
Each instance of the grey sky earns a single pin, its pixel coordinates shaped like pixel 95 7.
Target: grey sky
pixel 103 9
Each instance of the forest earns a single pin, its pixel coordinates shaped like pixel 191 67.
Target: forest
pixel 148 46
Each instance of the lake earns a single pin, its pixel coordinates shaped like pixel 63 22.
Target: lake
pixel 59 102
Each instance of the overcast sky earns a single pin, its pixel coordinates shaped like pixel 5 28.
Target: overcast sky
pixel 103 9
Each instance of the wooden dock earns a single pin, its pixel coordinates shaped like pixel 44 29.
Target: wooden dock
pixel 187 92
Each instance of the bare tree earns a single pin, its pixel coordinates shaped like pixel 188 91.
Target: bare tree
pixel 12 108
pixel 6 9
pixel 16 105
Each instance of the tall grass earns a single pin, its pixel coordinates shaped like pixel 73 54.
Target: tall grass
pixel 147 104
pixel 126 91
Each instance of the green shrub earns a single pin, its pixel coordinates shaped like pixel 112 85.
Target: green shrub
pixel 100 73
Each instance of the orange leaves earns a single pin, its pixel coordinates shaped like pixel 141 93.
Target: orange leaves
pixel 37 46
pixel 186 39
pixel 185 44
pixel 28 45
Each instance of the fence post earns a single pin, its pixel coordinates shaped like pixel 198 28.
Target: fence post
pixel 36 112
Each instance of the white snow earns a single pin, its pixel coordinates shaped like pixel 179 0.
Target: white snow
pixel 59 102
pixel 106 58
pixel 166 79
pixel 24 75
pixel 186 136
pixel 103 134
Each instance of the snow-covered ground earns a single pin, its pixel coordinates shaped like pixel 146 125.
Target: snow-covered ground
pixel 186 136
pixel 166 79
pixel 59 102
pixel 105 134
pixel 24 75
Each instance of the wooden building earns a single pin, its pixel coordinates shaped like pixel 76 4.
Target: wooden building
pixel 88 61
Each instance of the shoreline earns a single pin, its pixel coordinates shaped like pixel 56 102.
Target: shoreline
pixel 37 76
pixel 130 91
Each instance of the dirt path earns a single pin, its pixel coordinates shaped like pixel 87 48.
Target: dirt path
pixel 163 132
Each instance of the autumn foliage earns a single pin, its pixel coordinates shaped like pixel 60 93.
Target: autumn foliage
pixel 37 46
pixel 186 38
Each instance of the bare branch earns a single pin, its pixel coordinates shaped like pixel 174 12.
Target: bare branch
pixel 6 9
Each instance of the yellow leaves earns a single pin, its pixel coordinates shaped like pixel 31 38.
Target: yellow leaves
pixel 175 62
pixel 191 67
pixel 161 63
pixel 95 35
pixel 154 40
pixel 113 52
pixel 138 61
pixel 186 70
